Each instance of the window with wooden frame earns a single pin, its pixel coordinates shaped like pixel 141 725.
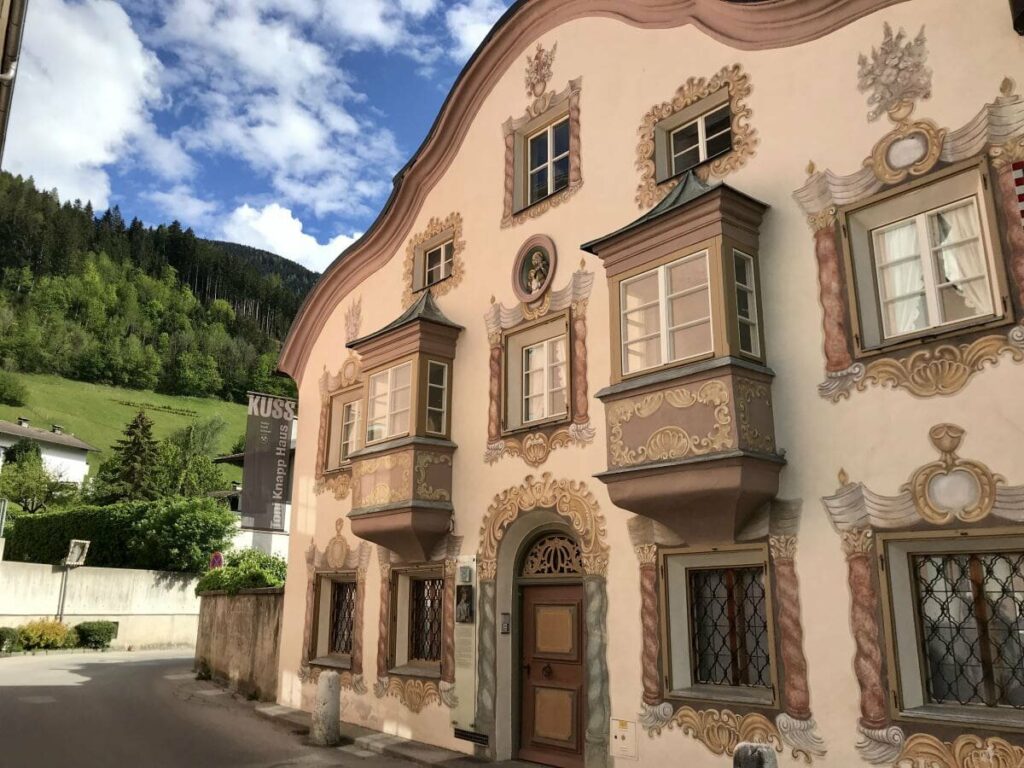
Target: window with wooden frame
pixel 693 136
pixel 719 637
pixel 343 432
pixel 666 314
pixel 956 623
pixel 925 260
pixel 537 374
pixel 336 619
pixel 418 621
pixel 748 334
pixel 437 398
pixel 548 153
pixel 388 403
pixel 437 263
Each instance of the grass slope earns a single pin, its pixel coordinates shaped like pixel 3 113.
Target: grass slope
pixel 97 413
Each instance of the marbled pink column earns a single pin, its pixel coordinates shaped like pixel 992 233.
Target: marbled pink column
pixel 648 556
pixel 448 624
pixel 384 626
pixel 867 661
pixel 580 401
pixel 1014 230
pixel 796 696
pixel 833 302
pixel 494 406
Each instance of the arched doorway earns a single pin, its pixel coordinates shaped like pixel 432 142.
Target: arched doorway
pixel 551 684
pixel 517 519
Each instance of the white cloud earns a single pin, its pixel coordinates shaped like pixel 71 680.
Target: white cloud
pixel 275 229
pixel 180 203
pixel 84 86
pixel 468 24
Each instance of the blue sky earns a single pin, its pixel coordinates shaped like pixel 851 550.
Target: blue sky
pixel 275 123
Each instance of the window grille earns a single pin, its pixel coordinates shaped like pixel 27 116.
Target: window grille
pixel 425 599
pixel 343 614
pixel 729 627
pixel 554 555
pixel 971 623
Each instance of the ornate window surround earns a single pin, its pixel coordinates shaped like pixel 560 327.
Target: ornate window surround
pixel 661 117
pixel 437 231
pixel 534 443
pixel 346 386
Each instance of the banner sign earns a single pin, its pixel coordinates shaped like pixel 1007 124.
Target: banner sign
pixel 266 481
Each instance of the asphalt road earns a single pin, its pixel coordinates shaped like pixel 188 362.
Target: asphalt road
pixel 122 710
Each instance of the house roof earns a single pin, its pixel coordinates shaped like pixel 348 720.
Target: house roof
pixel 44 436
pixel 10 51
pixel 424 309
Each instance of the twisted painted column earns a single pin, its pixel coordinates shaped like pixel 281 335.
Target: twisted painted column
pixel 1014 232
pixel 598 727
pixel 487 660
pixel 575 172
pixel 580 401
pixel 647 554
pixel 494 406
pixel 796 696
pixel 830 285
pixel 384 626
pixel 858 544
pixel 448 624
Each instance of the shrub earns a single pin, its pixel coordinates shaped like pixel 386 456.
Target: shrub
pixel 10 640
pixel 96 634
pixel 173 534
pixel 12 391
pixel 245 569
pixel 47 634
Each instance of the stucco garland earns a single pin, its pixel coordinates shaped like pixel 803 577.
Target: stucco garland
pixel 744 137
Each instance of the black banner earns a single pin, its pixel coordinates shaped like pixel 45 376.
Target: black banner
pixel 266 475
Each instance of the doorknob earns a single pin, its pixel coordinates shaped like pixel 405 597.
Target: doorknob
pixel 546 671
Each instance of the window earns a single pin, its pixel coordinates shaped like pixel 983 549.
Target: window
pixel 666 314
pixel 719 636
pixel 537 374
pixel 700 140
pixel 343 430
pixel 548 152
pixel 335 619
pixel 544 380
pixel 437 263
pixel 958 625
pixel 924 260
pixel 425 600
pixel 437 397
pixel 746 303
pixel 387 414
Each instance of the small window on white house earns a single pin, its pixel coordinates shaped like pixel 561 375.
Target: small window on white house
pixel 437 263
pixel 388 401
pixel 437 397
pixel 545 380
pixel 924 261
pixel 548 154
pixel 746 303
pixel 701 139
pixel 666 314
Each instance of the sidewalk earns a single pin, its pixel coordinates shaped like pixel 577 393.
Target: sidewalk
pixel 363 742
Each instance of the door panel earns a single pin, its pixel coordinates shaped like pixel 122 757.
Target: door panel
pixel 552 676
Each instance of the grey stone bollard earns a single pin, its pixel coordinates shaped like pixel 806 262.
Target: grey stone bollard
pixel 326 727
pixel 754 756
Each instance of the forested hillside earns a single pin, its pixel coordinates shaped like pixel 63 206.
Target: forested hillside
pixel 95 299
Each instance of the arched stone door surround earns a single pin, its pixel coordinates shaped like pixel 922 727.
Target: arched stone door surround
pixel 513 519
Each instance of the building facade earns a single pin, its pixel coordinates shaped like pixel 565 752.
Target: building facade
pixel 673 401
pixel 63 454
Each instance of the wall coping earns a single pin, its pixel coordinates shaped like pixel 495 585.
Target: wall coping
pixel 247 591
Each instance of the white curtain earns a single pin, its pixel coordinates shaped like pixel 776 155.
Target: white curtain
pixel 902 279
pixel 966 260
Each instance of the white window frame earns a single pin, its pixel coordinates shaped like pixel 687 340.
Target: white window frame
pixel 702 139
pixel 445 262
pixel 546 368
pixel 751 291
pixel 902 630
pixel 929 269
pixel 677 637
pixel 391 411
pixel 444 398
pixel 549 164
pixel 663 302
pixel 349 428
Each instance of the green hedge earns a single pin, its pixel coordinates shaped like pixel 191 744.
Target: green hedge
pixel 47 634
pixel 96 634
pixel 172 534
pixel 245 569
pixel 10 640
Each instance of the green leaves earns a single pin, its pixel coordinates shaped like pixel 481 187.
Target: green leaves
pixel 245 569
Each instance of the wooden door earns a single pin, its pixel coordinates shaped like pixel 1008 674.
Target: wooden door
pixel 552 692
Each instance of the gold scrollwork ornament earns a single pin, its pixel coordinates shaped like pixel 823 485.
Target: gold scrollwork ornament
pixel 952 487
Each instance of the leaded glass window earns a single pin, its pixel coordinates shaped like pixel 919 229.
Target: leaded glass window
pixel 729 627
pixel 343 613
pixel 970 612
pixel 426 597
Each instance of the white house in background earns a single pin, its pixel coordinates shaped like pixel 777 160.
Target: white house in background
pixel 63 454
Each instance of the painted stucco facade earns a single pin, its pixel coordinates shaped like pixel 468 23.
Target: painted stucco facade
pixel 844 440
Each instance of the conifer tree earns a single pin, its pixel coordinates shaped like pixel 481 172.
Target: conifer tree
pixel 131 472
